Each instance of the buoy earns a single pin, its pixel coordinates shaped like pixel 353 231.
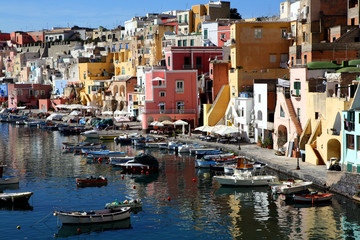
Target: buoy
pixel 78 230
pixel 18 227
pixel 100 158
pixel 142 171
pixel 169 198
pixel 122 176
pixel 134 187
pixel 147 172
pixel 194 180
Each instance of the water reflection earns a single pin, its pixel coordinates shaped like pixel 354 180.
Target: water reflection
pixel 70 230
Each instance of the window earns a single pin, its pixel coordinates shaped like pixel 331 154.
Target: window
pixel 162 107
pixel 205 34
pixel 305 59
pixel 160 83
pixel 162 94
pixel 184 43
pixel 168 61
pixel 42 92
pixel 358 143
pixel 283 33
pixel 179 43
pixel 180 107
pixel 198 62
pixel 123 71
pixel 259 117
pixel 242 112
pixel 31 92
pixel 316 115
pixel 180 19
pixel 297 87
pixel 222 36
pixel 191 42
pixel 350 141
pixel 37 93
pixel 258 33
pixel 179 86
pixel 259 98
pixel 282 113
pixel 273 58
pixel 185 18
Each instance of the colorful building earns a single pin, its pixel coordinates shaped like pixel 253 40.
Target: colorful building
pixel 27 94
pixel 171 95
pixel 3 93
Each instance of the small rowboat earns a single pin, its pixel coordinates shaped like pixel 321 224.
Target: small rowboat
pixel 100 216
pixel 15 198
pixel 91 181
pixel 313 198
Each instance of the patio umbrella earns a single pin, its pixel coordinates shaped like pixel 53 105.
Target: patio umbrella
pixel 167 122
pixel 117 112
pixel 207 128
pixel 75 106
pixel 200 128
pixel 156 124
pixel 228 130
pixel 181 123
pixel 75 113
pixel 217 128
pixel 62 106
pixel 122 119
pixel 107 113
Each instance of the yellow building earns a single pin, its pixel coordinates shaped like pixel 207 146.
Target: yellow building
pixel 208 12
pixel 123 64
pixel 322 136
pixel 95 77
pixel 259 50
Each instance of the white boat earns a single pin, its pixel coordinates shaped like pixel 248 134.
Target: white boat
pixel 133 203
pixel 187 147
pixel 290 187
pixel 245 179
pixel 99 134
pixel 100 216
pixel 15 198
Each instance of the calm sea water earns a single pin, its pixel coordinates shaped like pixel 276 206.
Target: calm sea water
pixel 200 210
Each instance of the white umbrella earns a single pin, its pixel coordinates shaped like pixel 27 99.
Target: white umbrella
pixel 217 128
pixel 228 130
pixel 199 128
pixel 122 119
pixel 157 124
pixel 167 122
pixel 75 113
pixel 207 128
pixel 107 113
pixel 117 112
pixel 180 122
pixel 75 106
pixel 62 106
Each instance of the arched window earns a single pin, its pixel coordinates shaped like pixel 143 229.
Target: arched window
pixel 122 71
pixel 259 115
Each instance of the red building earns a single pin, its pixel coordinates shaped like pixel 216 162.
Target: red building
pixel 223 35
pixel 25 38
pixel 4 36
pixel 171 95
pixel 182 58
pixel 27 94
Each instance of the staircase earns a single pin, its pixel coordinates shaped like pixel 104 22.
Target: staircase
pixel 319 157
pixel 293 116
pixel 53 104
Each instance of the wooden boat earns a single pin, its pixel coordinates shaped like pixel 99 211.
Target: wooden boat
pixel 118 160
pixel 15 198
pixel 7 180
pixel 141 162
pixel 91 181
pixel 102 153
pixel 246 179
pixel 290 187
pixel 313 198
pixel 133 204
pixel 91 217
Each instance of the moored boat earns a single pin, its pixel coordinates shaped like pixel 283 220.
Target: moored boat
pixel 246 179
pixel 290 187
pixel 133 204
pixel 313 198
pixel 140 163
pixel 15 198
pixel 100 216
pixel 91 181
pixel 7 180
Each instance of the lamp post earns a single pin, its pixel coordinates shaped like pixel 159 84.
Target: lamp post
pixel 239 135
pixel 297 153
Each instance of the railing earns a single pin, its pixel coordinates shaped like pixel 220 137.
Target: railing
pixel 170 111
pixel 199 66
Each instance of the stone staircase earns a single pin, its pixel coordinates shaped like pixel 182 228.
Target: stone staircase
pixel 293 116
pixel 319 157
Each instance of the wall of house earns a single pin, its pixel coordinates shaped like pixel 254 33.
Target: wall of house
pixel 218 108
pixel 221 31
pixel 260 89
pixel 351 155
pixel 212 33
pixel 219 75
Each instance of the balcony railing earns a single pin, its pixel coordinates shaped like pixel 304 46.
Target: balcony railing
pixel 170 111
pixel 192 67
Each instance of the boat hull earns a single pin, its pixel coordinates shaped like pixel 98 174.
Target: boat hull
pixel 101 216
pixel 245 181
pixel 313 198
pixel 15 198
pixel 9 180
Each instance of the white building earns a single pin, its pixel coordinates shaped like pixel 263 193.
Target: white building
pixel 209 33
pixel 133 26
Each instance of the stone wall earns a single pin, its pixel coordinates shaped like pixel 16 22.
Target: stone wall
pixel 344 183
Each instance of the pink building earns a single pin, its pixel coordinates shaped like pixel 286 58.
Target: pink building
pixel 171 95
pixel 27 94
pixel 223 35
pixel 182 58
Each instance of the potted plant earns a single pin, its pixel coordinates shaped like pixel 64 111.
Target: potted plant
pixel 259 141
pixel 268 143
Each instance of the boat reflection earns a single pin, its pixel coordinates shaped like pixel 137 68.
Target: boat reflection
pixel 142 178
pixel 16 207
pixel 9 187
pixel 70 230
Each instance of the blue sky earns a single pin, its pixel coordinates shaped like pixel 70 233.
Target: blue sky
pixel 25 15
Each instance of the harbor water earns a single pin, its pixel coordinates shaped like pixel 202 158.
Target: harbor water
pixel 180 202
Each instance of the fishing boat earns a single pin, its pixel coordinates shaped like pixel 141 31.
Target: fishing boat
pixel 133 204
pixel 7 180
pixel 245 179
pixel 77 147
pixel 119 160
pixel 140 163
pixel 313 198
pixel 102 153
pixel 15 198
pixel 290 187
pixel 186 148
pixel 91 181
pixel 100 216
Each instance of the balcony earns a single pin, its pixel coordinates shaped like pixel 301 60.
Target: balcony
pixel 349 126
pixel 187 67
pixel 170 111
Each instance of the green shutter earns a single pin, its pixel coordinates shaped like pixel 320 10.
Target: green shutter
pixel 358 169
pixel 185 18
pixel 349 167
pixel 205 34
pixel 180 19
